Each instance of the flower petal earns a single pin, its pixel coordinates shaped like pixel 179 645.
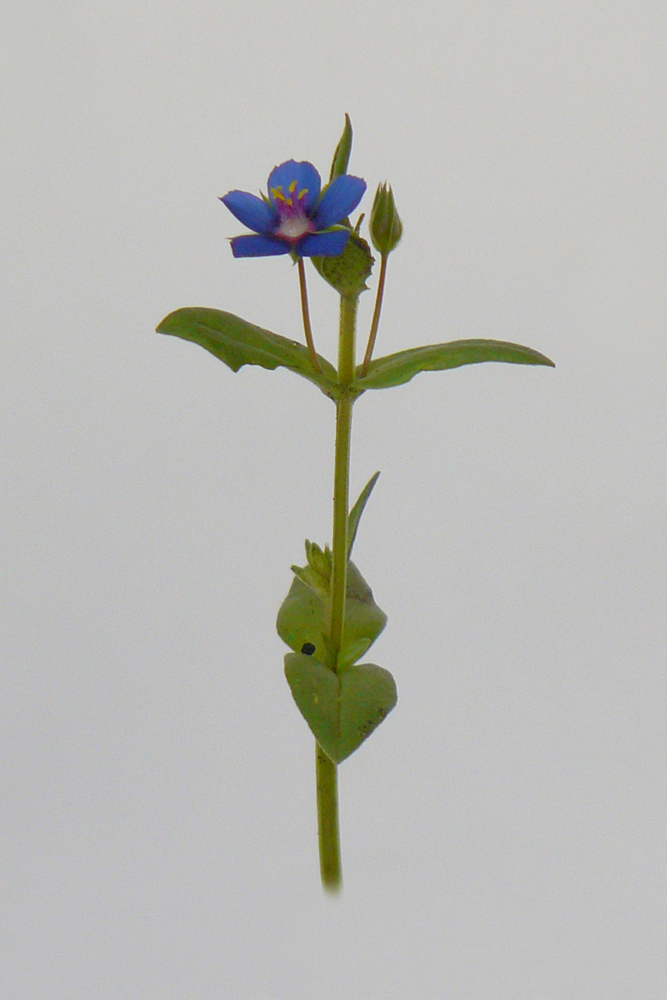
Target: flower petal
pixel 306 177
pixel 251 211
pixel 323 244
pixel 258 246
pixel 339 199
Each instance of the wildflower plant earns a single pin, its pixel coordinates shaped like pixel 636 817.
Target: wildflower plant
pixel 329 618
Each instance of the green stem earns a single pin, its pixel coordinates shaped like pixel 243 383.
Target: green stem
pixel 376 315
pixel 305 312
pixel 327 820
pixel 348 315
pixel 327 786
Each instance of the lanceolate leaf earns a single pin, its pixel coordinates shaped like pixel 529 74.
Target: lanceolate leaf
pixel 341 157
pixel 356 512
pixel 395 369
pixel 238 343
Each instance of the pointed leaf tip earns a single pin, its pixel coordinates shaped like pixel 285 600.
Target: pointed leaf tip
pixel 396 369
pixel 237 343
pixel 356 512
pixel 341 157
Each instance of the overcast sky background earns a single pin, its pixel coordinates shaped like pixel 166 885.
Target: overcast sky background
pixel 503 832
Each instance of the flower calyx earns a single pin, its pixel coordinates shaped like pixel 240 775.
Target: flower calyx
pixel 348 272
pixel 385 225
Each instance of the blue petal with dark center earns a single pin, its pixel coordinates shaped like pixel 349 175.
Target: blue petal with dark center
pixel 258 246
pixel 339 199
pixel 323 244
pixel 251 211
pixel 306 177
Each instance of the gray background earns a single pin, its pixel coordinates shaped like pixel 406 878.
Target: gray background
pixel 504 831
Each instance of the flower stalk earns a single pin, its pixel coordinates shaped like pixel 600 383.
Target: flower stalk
pixel 375 323
pixel 305 312
pixel 386 230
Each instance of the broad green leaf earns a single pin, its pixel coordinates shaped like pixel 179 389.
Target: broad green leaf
pixel 368 694
pixel 238 343
pixel 301 620
pixel 341 709
pixel 356 512
pixel 395 369
pixel 316 691
pixel 303 616
pixel 363 618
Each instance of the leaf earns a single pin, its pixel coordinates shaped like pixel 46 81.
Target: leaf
pixel 363 618
pixel 341 709
pixel 368 694
pixel 356 512
pixel 395 369
pixel 303 616
pixel 341 157
pixel 238 343
pixel 350 654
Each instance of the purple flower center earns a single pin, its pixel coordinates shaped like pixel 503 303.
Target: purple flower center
pixel 294 220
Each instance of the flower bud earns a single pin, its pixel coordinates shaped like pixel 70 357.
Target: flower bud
pixel 319 561
pixel 386 227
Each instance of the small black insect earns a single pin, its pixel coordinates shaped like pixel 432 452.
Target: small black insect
pixel 308 648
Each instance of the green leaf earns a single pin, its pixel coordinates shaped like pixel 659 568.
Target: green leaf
pixel 238 343
pixel 303 616
pixel 341 157
pixel 341 709
pixel 363 618
pixel 395 369
pixel 350 654
pixel 356 512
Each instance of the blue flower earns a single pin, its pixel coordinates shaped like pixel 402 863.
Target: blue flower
pixel 295 217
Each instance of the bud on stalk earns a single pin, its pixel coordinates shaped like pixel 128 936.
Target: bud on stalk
pixel 385 226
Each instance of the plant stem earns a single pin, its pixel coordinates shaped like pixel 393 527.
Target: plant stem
pixel 305 312
pixel 348 315
pixel 327 784
pixel 327 820
pixel 376 315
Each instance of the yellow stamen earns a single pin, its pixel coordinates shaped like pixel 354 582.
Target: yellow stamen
pixel 302 193
pixel 291 187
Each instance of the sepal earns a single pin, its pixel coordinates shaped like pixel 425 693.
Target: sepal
pixel 348 272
